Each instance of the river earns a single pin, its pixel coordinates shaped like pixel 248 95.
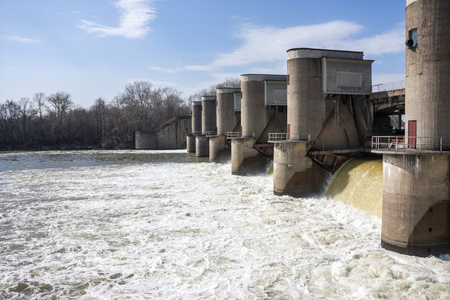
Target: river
pixel 166 225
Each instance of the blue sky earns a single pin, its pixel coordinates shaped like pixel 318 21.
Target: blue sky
pixel 92 49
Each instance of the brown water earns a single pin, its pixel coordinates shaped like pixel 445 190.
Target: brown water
pixel 359 182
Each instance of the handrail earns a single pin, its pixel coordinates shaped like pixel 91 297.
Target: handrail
pixel 390 86
pixel 197 132
pixel 282 136
pixel 211 133
pixel 419 143
pixel 233 135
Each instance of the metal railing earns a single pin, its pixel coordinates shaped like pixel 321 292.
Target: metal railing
pixel 390 86
pixel 196 132
pixel 233 135
pixel 273 137
pixel 211 133
pixel 281 136
pixel 418 143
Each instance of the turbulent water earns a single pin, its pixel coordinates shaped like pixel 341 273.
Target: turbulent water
pixel 162 225
pixel 359 182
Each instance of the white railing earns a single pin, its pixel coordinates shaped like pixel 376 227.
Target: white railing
pixel 390 86
pixel 273 137
pixel 398 143
pixel 211 133
pixel 280 136
pixel 233 135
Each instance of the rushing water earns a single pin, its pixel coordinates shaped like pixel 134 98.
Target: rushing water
pixel 147 224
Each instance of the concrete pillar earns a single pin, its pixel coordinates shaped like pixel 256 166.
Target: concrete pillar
pixel 255 116
pixel 416 191
pixel 190 143
pixel 209 114
pixel 227 119
pixel 201 146
pixel 245 159
pixel 219 150
pixel 196 110
pixel 416 206
pixel 322 111
pixel 295 173
pixel 427 87
pixel 196 119
pixel 208 121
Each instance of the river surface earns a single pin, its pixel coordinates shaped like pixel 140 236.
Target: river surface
pixel 165 225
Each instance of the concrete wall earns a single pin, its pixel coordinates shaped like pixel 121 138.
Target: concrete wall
pixel 428 69
pixel 347 76
pixel 416 205
pixel 145 140
pixel 171 135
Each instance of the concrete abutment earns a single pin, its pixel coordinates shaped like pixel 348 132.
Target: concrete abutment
pixel 416 203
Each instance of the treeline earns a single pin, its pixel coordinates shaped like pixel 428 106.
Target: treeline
pixel 54 121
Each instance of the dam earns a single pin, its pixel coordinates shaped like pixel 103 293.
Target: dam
pixel 324 114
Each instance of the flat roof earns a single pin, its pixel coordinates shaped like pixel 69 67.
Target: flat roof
pixel 329 50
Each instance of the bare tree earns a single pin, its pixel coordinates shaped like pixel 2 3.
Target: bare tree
pixel 27 111
pixel 60 103
pixel 99 111
pixel 39 99
pixel 211 91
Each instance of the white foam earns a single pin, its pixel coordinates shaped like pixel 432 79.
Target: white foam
pixel 113 225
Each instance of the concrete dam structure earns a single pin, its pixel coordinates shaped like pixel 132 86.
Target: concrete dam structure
pixel 263 110
pixel 416 187
pixel 209 127
pixel 326 111
pixel 196 125
pixel 228 120
pixel 170 135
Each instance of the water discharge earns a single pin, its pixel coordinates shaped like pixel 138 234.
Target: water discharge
pixel 146 225
pixel 359 182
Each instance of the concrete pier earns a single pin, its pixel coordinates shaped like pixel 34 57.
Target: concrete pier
pixel 294 172
pixel 208 113
pixel 190 143
pixel 325 111
pixel 227 120
pixel 416 188
pixel 262 109
pixel 196 126
pixel 416 206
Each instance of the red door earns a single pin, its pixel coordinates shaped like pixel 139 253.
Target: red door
pixel 412 134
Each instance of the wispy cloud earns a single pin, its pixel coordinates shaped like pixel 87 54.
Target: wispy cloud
pixel 268 45
pixel 22 39
pixel 134 18
pixel 167 70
